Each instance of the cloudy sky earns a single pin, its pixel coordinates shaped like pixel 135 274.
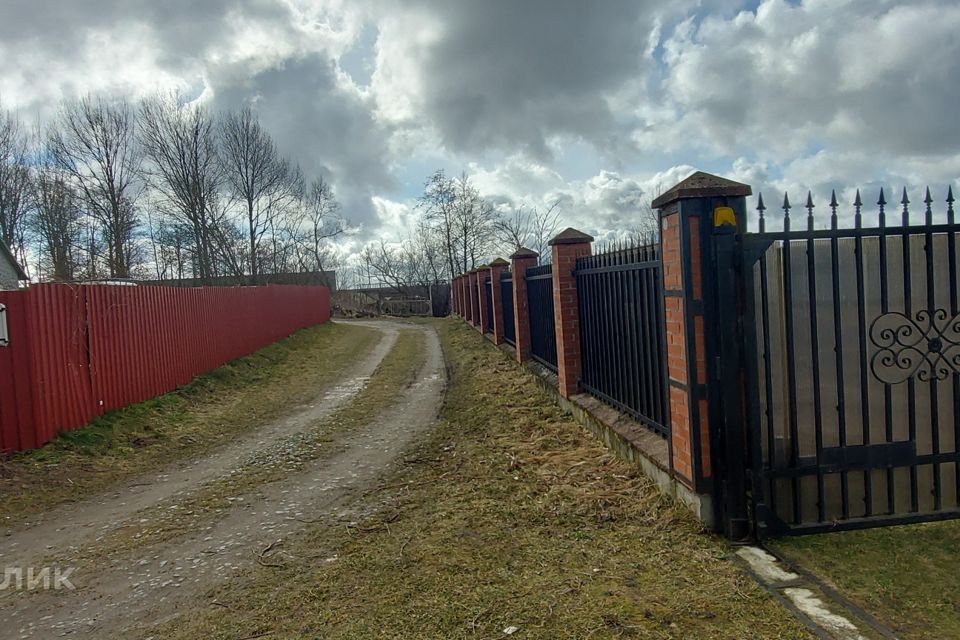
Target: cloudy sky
pixel 599 104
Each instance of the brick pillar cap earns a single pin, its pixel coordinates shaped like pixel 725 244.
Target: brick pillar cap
pixel 523 252
pixel 499 262
pixel 570 236
pixel 702 185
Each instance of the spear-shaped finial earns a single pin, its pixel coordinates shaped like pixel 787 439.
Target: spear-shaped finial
pixel 809 206
pixel 761 208
pixel 882 202
pixel 905 202
pixel 857 205
pixel 950 204
pixel 786 212
pixel 928 201
pixel 833 208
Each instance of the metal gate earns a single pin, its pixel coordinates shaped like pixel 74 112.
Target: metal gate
pixel 852 352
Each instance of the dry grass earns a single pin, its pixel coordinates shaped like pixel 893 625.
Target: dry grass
pixel 905 576
pixel 209 411
pixel 509 515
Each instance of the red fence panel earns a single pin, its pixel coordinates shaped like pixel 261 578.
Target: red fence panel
pixel 78 351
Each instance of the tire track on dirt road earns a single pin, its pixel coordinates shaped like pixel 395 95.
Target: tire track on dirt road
pixel 64 528
pixel 132 590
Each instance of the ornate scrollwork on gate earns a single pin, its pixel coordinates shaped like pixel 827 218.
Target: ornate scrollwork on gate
pixel 926 346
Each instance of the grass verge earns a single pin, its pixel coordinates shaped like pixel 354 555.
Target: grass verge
pixel 904 576
pixel 509 515
pixel 210 410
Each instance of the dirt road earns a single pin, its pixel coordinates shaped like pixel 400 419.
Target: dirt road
pixel 153 581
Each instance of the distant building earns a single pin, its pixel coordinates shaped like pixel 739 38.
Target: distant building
pixel 11 273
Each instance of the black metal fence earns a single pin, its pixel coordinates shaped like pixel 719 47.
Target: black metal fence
pixel 488 294
pixel 853 359
pixel 506 303
pixel 543 332
pixel 622 333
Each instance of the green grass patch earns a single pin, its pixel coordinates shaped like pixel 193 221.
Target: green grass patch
pixel 905 576
pixel 510 514
pixel 209 411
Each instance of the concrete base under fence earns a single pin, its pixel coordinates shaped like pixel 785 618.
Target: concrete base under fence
pixel 626 437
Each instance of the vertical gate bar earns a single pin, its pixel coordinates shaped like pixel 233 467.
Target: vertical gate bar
pixel 635 318
pixel 838 352
pixel 629 333
pixel 651 310
pixel 815 353
pixel 641 320
pixel 585 291
pixel 952 258
pixel 911 383
pixel 608 352
pixel 752 418
pixel 862 332
pixel 767 377
pixel 644 287
pixel 616 315
pixel 932 312
pixel 884 308
pixel 791 361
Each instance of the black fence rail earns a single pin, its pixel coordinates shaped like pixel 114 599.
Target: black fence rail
pixel 506 303
pixel 488 293
pixel 543 331
pixel 622 332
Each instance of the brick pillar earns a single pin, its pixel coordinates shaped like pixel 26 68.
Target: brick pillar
pixel 688 252
pixel 496 269
pixel 566 247
pixel 472 293
pixel 520 261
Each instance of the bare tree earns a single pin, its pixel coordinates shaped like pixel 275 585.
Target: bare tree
pixel 14 183
pixel 257 175
pixel 438 205
pixel 528 227
pixel 474 220
pixel 57 223
pixel 322 222
pixel 94 142
pixel 646 229
pixel 180 143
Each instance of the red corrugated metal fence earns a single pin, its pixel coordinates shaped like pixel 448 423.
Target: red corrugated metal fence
pixel 77 351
